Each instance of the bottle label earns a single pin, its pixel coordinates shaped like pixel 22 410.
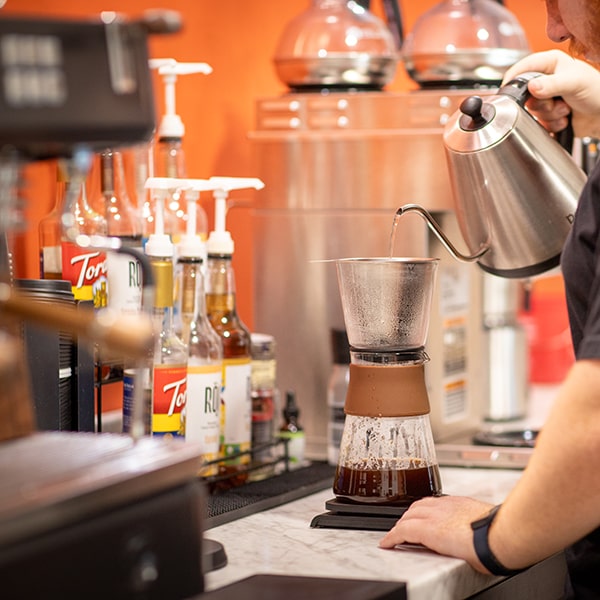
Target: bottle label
pixel 86 270
pixel 295 446
pixel 129 381
pixel 51 262
pixel 202 410
pixel 169 388
pixel 124 275
pixel 237 405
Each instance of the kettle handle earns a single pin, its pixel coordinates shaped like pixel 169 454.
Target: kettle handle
pixel 517 89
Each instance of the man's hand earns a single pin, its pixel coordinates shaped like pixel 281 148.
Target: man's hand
pixel 567 84
pixel 441 524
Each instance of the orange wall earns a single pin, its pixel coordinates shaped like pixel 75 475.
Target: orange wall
pixel 237 38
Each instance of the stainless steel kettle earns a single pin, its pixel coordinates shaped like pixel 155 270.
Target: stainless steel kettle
pixel 515 187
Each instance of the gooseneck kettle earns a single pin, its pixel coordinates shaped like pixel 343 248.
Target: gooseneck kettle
pixel 515 188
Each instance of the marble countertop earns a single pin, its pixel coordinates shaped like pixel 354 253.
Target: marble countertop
pixel 281 541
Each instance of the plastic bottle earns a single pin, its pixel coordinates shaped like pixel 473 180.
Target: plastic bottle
pixel 292 431
pixel 61 257
pixel 123 270
pixel 222 313
pixel 264 392
pixel 165 379
pixel 204 378
pixel 336 393
pixel 170 156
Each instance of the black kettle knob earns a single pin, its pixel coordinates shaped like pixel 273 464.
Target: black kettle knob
pixel 476 114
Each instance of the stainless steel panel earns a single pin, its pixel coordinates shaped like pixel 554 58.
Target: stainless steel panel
pixel 336 168
pixel 297 298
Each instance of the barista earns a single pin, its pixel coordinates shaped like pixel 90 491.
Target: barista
pixel 556 503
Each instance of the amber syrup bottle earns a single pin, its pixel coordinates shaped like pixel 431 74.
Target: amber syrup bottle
pixel 236 415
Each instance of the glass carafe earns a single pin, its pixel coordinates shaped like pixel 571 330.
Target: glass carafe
pixel 336 43
pixel 464 43
pixel 387 454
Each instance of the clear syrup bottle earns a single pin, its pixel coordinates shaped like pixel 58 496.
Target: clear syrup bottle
pixel 123 270
pixel 169 365
pixel 61 257
pixel 204 377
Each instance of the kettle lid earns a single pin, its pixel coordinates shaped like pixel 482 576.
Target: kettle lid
pixel 481 122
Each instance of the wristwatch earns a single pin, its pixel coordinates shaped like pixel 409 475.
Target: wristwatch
pixel 481 528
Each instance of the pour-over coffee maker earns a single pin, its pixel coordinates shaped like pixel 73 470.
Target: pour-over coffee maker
pixel 387 456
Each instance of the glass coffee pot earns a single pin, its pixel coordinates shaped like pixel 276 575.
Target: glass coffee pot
pixel 464 43
pixel 337 44
pixel 387 454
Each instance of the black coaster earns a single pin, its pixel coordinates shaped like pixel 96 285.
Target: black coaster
pixel 344 515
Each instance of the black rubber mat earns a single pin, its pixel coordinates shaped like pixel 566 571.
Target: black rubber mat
pixel 250 498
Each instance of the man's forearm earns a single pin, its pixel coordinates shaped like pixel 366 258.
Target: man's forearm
pixel 563 475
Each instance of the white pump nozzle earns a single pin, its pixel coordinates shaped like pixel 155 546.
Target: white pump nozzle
pixel 219 240
pixel 191 246
pixel 171 125
pixel 159 243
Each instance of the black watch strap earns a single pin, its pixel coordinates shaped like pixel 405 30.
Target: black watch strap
pixel 481 529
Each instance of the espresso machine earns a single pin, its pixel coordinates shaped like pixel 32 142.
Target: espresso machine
pixel 83 514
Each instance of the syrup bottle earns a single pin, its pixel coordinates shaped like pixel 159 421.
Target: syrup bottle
pixel 170 155
pixel 237 346
pixel 204 378
pixel 123 270
pixel 237 402
pixel 169 367
pixel 61 257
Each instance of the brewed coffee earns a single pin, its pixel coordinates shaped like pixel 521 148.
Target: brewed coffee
pixel 392 487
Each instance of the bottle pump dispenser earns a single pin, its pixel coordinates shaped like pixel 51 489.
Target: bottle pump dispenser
pixel 237 345
pixel 170 157
pixel 219 240
pixel 171 125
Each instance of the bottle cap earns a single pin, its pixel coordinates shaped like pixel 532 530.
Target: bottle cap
pixel 220 243
pixel 191 246
pixel 159 245
pixel 291 409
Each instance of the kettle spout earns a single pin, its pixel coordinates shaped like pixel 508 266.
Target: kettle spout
pixel 437 230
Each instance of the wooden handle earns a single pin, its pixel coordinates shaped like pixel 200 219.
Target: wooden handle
pixel 128 335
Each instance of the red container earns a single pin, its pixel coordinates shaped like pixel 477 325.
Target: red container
pixel 549 336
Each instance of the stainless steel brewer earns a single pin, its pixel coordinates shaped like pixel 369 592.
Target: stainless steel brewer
pixel 387 455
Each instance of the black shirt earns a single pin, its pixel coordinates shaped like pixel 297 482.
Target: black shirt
pixel 581 270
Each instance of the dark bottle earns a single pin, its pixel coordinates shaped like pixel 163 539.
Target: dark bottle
pixel 292 431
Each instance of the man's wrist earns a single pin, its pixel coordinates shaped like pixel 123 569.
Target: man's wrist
pixel 481 528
